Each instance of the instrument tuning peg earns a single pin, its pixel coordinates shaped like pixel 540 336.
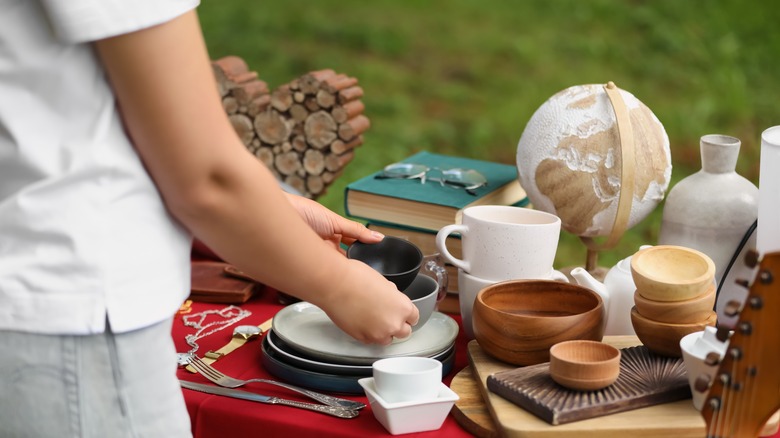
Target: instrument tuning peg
pixel 732 308
pixel 702 383
pixel 712 359
pixel 722 334
pixel 752 258
pixel 742 282
pixel 766 277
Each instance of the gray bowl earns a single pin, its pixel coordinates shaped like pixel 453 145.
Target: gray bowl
pixel 423 292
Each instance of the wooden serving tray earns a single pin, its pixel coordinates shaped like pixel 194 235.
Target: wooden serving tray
pixel 679 419
pixel 645 379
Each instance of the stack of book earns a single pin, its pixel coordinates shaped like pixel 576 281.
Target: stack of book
pixel 409 209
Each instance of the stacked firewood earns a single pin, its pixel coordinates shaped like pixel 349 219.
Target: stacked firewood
pixel 305 131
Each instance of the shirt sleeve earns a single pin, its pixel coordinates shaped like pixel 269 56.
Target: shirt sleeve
pixel 78 21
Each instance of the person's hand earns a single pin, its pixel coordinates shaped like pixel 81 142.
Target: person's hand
pixel 370 308
pixel 330 226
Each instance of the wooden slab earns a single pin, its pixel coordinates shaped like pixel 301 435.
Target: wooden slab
pixel 645 379
pixel 678 419
pixel 470 411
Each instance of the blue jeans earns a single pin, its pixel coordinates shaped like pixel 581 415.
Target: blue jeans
pixel 105 385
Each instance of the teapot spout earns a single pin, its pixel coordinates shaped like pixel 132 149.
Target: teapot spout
pixel 583 278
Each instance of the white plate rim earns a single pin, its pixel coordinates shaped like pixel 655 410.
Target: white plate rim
pixel 308 329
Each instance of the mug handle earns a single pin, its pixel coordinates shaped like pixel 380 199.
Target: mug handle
pixel 441 244
pixel 433 264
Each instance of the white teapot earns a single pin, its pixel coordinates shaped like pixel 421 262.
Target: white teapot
pixel 617 291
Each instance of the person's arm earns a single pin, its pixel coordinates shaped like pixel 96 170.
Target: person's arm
pixel 228 199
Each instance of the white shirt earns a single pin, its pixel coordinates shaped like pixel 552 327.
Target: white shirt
pixel 84 234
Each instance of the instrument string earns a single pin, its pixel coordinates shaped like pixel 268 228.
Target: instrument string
pixel 760 317
pixel 740 409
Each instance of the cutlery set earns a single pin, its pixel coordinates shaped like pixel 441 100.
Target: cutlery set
pixel 337 407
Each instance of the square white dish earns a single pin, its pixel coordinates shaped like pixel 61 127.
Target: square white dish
pixel 409 417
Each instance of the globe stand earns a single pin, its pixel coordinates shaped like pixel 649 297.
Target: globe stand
pixel 627 178
pixel 592 260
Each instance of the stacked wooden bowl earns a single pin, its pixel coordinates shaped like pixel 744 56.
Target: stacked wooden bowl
pixel 675 296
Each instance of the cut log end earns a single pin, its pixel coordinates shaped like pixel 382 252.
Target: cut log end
pixel 272 127
pixel 354 127
pixel 320 129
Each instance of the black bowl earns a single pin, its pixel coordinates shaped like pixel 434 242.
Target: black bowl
pixel 397 259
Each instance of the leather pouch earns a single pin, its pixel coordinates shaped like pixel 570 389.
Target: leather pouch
pixel 219 282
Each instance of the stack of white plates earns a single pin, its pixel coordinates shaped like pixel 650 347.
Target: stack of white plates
pixel 306 348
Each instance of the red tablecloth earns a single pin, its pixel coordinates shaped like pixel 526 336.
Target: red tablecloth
pixel 215 416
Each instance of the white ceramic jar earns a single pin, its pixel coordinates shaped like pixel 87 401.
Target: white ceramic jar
pixel 712 209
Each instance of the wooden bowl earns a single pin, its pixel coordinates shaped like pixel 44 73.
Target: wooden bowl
pixel 678 312
pixel 671 273
pixel 517 321
pixel 664 338
pixel 584 365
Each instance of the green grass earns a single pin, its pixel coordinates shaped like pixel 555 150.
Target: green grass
pixel 463 77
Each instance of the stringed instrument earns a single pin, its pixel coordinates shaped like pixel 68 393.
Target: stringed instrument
pixel 745 391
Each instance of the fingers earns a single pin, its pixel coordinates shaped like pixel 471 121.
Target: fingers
pixel 406 329
pixel 414 318
pixel 399 334
pixel 404 335
pixel 351 230
pixel 330 225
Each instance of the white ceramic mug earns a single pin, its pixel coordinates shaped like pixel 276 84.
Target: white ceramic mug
pixel 695 348
pixel 468 288
pixel 504 242
pixel 407 378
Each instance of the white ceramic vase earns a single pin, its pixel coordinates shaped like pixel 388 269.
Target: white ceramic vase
pixel 712 209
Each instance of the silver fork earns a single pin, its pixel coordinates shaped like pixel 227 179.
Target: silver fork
pixel 221 379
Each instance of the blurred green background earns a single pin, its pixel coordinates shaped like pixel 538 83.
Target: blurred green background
pixel 463 77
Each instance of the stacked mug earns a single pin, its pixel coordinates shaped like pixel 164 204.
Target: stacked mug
pixel 675 295
pixel 500 243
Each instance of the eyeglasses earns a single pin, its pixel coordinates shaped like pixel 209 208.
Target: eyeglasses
pixel 467 179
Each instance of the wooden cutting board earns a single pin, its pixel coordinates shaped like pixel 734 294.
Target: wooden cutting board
pixel 678 419
pixel 470 410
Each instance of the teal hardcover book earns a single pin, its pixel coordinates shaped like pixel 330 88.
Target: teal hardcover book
pixel 430 206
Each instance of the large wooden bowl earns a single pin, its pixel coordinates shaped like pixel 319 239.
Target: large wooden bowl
pixel 664 338
pixel 671 273
pixel 517 321
pixel 677 312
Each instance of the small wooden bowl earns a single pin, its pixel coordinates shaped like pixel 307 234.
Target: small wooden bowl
pixel 584 365
pixel 664 338
pixel 517 321
pixel 671 273
pixel 677 312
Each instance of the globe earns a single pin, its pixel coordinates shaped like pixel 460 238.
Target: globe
pixel 570 158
